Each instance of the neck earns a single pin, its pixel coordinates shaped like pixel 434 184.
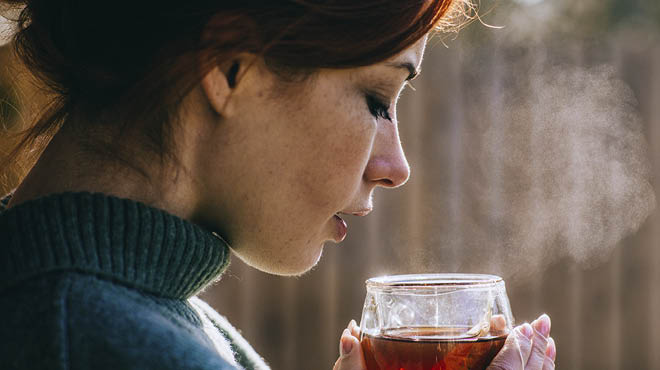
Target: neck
pixel 66 166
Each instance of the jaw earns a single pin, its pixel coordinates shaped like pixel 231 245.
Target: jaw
pixel 280 258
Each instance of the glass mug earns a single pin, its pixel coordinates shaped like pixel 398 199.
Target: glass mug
pixel 434 321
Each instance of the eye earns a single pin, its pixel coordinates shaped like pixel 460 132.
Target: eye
pixel 377 108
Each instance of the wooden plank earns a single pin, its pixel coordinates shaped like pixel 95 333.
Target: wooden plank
pixel 654 240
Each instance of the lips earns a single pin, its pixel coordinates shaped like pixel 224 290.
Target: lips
pixel 362 212
pixel 342 229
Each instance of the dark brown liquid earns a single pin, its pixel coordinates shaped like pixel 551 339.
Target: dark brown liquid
pixel 429 349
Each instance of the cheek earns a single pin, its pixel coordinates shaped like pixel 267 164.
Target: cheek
pixel 339 152
pixel 348 156
pixel 306 159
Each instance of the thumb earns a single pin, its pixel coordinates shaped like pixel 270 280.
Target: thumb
pixel 350 353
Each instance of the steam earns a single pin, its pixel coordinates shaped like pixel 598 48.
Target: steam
pixel 550 164
pixel 544 147
pixel 566 153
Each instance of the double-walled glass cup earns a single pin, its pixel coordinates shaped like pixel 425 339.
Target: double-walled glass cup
pixel 434 321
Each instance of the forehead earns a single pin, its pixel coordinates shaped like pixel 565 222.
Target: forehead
pixel 406 63
pixel 388 70
pixel 413 54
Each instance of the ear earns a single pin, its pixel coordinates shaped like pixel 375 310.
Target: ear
pixel 219 84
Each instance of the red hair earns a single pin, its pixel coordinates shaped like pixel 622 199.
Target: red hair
pixel 133 62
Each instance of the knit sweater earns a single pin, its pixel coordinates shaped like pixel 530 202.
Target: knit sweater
pixel 90 281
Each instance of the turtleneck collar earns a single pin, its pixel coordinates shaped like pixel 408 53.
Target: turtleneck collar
pixel 119 239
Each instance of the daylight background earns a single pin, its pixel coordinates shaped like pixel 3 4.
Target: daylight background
pixel 534 141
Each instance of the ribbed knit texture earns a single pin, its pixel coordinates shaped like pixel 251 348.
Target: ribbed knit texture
pixel 90 281
pixel 121 239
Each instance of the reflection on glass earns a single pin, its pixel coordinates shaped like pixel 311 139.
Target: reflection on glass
pixel 434 321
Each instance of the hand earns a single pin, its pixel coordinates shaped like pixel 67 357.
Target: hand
pixel 350 350
pixel 528 347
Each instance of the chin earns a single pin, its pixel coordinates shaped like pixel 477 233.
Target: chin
pixel 295 265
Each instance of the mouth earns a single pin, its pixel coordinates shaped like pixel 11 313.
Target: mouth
pixel 342 227
pixel 361 212
pixel 341 230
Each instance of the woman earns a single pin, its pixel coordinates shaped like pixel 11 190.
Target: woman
pixel 183 131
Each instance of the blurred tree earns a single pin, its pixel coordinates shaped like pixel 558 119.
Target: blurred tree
pixel 623 11
pixel 530 22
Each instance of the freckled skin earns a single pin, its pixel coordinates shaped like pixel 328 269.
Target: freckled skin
pixel 288 163
pixel 264 163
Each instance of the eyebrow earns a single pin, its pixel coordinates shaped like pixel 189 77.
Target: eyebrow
pixel 412 71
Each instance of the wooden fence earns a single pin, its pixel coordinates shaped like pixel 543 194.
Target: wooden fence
pixel 605 313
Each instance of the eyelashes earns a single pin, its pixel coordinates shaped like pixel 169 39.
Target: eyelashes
pixel 377 108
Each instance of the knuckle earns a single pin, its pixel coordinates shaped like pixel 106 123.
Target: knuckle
pixel 523 340
pixel 538 349
pixel 524 344
pixel 497 366
pixel 539 338
pixel 549 364
pixel 510 350
pixel 540 341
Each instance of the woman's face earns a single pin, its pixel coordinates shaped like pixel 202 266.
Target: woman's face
pixel 286 158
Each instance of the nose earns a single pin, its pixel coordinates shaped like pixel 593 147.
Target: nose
pixel 387 166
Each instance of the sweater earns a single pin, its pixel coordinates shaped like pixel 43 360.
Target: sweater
pixel 90 281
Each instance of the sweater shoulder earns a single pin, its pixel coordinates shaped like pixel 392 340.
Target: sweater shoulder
pixel 245 355
pixel 114 327
pixel 28 336
pixel 91 323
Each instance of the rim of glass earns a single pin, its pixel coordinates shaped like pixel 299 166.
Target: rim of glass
pixel 433 280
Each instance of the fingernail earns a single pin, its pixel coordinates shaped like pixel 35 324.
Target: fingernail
pixel 527 330
pixel 542 324
pixel 352 324
pixel 346 343
pixel 551 349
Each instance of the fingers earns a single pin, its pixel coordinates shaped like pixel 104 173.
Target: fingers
pixel 515 351
pixel 354 329
pixel 551 351
pixel 528 347
pixel 539 343
pixel 525 342
pixel 550 355
pixel 350 351
pixel 497 323
pixel 548 364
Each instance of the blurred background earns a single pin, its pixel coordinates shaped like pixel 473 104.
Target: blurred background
pixel 534 141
